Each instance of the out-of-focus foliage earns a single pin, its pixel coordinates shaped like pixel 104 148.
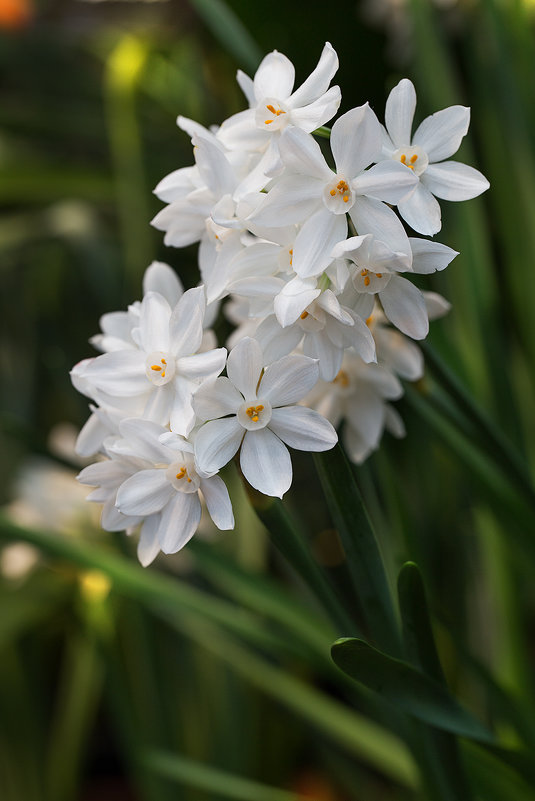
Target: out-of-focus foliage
pixel 107 671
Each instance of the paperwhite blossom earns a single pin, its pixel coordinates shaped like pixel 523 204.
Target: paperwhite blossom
pixel 163 368
pixel 255 410
pixel 157 485
pixel 309 190
pixel 437 138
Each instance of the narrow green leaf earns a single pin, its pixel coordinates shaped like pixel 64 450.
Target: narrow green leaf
pixel 407 687
pixel 444 762
pixel 361 547
pixel 230 31
pixel 219 783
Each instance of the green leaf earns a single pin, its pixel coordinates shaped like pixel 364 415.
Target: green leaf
pixel 219 783
pixel 230 31
pixel 407 688
pixel 361 547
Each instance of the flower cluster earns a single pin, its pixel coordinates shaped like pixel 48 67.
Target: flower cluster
pixel 313 262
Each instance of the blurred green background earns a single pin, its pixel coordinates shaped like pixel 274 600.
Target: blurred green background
pixel 109 688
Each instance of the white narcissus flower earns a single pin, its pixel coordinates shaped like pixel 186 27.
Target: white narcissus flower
pixel 165 368
pixel 255 409
pixel 437 138
pixel 155 483
pixel 309 191
pixel 274 106
pixel 358 397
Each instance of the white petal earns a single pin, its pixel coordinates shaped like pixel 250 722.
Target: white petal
pixel 393 422
pixel 319 346
pixel 177 185
pixel 217 501
pixel 276 341
pixel 144 493
pixel 318 113
pixel 421 211
pixel 293 198
pixel 148 546
pixel 389 181
pixel 318 81
pixel 436 305
pixel 113 520
pixel 400 354
pixel 216 443
pixel 293 299
pixel 399 112
pixel 440 135
pixel 265 462
pixel 214 167
pixel 121 373
pixel 355 141
pixel 244 366
pixel 144 436
pixel 185 326
pixel 315 241
pixel 366 416
pixel 301 154
pixel 154 323
pixel 274 77
pixel 216 399
pixel 329 303
pixel 158 405
pixel 183 223
pixel 303 429
pixel 182 416
pixel 452 180
pixel 91 436
pixel 159 277
pixel 430 256
pixel 202 366
pixel 239 132
pixel 288 380
pixel 371 216
pixel 404 305
pixel 246 85
pixel 179 521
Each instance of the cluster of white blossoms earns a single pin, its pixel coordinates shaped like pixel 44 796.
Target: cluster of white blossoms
pixel 310 254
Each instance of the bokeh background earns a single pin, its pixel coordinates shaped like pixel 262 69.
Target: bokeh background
pixel 98 681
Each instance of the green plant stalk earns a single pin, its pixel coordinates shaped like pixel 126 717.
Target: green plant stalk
pixel 290 542
pixel 365 564
pixel 219 783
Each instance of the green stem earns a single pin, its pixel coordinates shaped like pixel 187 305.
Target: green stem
pixel 364 560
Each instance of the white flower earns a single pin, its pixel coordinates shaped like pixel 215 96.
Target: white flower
pixel 357 397
pixel 256 409
pixel 164 369
pixel 403 303
pixel 309 191
pixel 437 138
pixel 156 484
pixel 274 106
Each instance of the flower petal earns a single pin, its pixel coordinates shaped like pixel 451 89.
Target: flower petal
pixel 430 256
pixel 244 366
pixel 389 181
pixel 217 501
pixel 201 366
pixel 319 79
pixel 216 443
pixel 404 305
pixel 265 462
pixel 182 416
pixel 288 380
pixel 160 277
pixel 318 346
pixel 185 326
pixel 148 546
pixel 216 399
pixel 399 112
pixel 371 216
pixel 319 112
pixel 315 241
pixel 274 77
pixel 144 435
pixel 301 154
pixel 179 521
pixel 294 297
pixel 452 180
pixel 292 199
pixel 120 373
pixel 275 341
pixel 303 429
pixel 355 141
pixel 421 211
pixel 440 135
pixel 144 493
